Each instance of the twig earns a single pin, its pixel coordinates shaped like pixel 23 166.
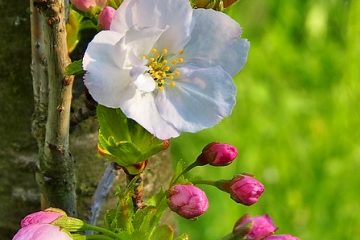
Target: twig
pixel 138 197
pixel 102 190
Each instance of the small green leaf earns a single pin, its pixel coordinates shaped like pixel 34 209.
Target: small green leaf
pixel 156 199
pixel 123 140
pixel 163 232
pixel 72 30
pixel 74 68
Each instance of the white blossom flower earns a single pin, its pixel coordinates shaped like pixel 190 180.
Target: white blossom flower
pixel 166 65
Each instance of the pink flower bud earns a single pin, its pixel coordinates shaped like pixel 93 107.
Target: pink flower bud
pixel 86 5
pixel 187 200
pixel 105 18
pixel 41 232
pixel 47 216
pixel 254 228
pixel 281 237
pixel 217 154
pixel 244 189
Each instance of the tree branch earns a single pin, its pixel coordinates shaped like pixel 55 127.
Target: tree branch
pixel 56 175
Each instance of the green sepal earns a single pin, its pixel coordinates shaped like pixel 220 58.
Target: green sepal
pixel 74 68
pixel 69 223
pixel 163 232
pixel 123 140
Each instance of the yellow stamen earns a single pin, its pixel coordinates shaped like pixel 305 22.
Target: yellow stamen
pixel 165 51
pixel 172 84
pixel 154 50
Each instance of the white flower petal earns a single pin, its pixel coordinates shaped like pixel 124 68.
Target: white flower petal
pixel 106 83
pixel 200 99
pixel 145 82
pixel 104 79
pixel 176 14
pixel 141 107
pixel 141 41
pixel 101 47
pixel 215 40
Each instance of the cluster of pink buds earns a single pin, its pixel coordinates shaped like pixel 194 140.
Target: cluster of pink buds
pixel 190 202
pixel 40 226
pixel 106 12
pixel 258 228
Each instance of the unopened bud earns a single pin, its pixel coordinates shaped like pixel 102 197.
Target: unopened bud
pixel 217 154
pixel 86 5
pixel 187 200
pixel 47 216
pixel 281 237
pixel 254 228
pixel 42 232
pixel 244 189
pixel 105 18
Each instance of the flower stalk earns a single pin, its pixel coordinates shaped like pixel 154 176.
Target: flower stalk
pixel 105 231
pixel 186 170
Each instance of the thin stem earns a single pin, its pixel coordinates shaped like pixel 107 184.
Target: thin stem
pixel 191 166
pixel 206 182
pixel 229 237
pixel 101 230
pixel 98 237
pixel 102 190
pixel 138 196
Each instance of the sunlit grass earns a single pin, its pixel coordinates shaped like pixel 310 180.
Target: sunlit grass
pixel 296 122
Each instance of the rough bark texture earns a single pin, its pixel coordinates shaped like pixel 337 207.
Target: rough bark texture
pixel 19 194
pixel 55 175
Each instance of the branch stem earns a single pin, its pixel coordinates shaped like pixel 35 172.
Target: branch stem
pixel 55 176
pixel 101 230
pixel 102 190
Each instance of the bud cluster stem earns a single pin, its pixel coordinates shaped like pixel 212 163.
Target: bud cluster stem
pixel 98 237
pixel 107 232
pixel 187 169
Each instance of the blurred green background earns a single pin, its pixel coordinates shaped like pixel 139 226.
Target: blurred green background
pixel 296 121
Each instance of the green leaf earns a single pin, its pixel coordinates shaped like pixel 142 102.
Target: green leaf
pixel 73 27
pixel 163 232
pixel 74 68
pixel 156 199
pixel 123 140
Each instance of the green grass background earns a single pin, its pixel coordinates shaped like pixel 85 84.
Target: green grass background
pixel 296 122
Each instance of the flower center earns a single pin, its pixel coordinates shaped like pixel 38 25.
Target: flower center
pixel 162 67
